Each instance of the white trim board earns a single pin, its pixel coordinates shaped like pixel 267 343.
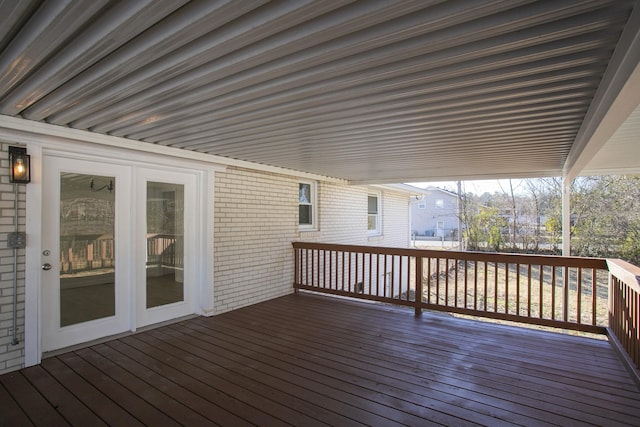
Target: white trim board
pixel 32 132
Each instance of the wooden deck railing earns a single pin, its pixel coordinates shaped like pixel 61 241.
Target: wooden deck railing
pixel 565 292
pixel 624 307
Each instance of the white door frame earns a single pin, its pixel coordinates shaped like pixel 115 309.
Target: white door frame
pixel 56 336
pixel 149 157
pixel 146 316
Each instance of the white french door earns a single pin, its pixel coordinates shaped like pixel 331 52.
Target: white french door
pixel 86 222
pixel 166 251
pixel 119 248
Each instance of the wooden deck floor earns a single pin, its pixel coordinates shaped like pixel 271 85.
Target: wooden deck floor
pixel 309 360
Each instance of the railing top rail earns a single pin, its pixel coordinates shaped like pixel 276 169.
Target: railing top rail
pixel 628 273
pixel 551 260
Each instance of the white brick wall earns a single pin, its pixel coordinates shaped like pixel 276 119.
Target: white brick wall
pixel 11 356
pixel 256 219
pixel 255 222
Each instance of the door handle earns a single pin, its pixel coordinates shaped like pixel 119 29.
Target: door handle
pixel 46 266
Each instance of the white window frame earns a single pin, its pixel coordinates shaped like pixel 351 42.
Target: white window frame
pixel 422 204
pixel 313 202
pixel 378 230
pixel 440 204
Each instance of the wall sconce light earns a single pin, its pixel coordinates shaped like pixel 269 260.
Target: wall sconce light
pixel 19 165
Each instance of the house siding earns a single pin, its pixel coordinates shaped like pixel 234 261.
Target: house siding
pixel 11 356
pixel 395 220
pixel 425 221
pixel 256 219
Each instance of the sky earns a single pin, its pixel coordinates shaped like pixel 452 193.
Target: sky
pixel 477 187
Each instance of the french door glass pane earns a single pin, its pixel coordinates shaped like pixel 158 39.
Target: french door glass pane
pixel 165 243
pixel 87 267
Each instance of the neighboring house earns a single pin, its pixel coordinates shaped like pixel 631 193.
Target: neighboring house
pixel 435 214
pixel 136 233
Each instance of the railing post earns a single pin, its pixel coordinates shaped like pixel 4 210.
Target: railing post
pixel 418 296
pixel 296 272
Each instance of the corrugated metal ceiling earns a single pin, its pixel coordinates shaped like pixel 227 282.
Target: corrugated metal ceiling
pixel 369 91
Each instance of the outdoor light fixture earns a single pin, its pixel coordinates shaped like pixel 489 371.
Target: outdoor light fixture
pixel 19 165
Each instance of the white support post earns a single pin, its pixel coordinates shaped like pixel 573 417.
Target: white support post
pixel 459 200
pixel 566 217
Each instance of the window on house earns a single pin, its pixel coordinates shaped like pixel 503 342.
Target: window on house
pixel 439 204
pixel 373 211
pixel 307 205
pixel 422 204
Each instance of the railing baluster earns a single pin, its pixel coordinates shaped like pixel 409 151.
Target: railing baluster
pixel 553 293
pixel 384 276
pixel 456 297
pixel 338 260
pixel 296 270
pixel 418 297
pixel 333 271
pixel 446 283
pixel 475 285
pixel 316 269
pixel 357 278
pixel 437 273
pixel 400 276
pixel 326 272
pixel 541 283
pixel 370 273
pixel 565 294
pixel 594 296
pixel 495 289
pixel 393 276
pixel 486 284
pixel 579 302
pixel 506 288
pixel 307 281
pixel 429 273
pixel 529 290
pixel 321 269
pixel 518 289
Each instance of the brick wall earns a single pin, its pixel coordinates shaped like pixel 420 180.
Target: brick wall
pixel 256 219
pixel 11 356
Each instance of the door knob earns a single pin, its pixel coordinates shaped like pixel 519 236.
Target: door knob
pixel 46 266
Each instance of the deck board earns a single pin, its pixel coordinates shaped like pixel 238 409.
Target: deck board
pixel 71 409
pixel 313 360
pixel 12 414
pixel 32 403
pixel 452 392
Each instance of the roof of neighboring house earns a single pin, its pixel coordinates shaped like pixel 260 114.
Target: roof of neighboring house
pixel 408 188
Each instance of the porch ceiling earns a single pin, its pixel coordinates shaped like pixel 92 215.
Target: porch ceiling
pixel 375 91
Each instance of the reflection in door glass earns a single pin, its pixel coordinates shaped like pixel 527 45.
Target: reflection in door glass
pixel 165 243
pixel 87 268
